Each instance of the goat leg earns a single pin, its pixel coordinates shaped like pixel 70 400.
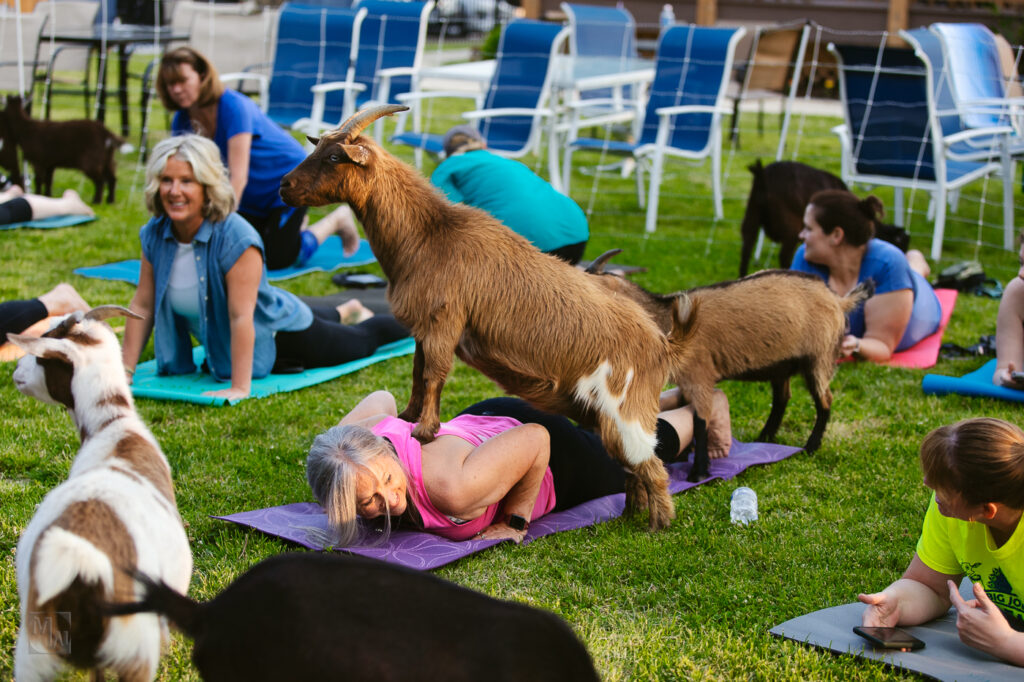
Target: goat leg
pixel 647 484
pixel 823 406
pixel 701 460
pixel 437 363
pixel 780 398
pixel 411 413
pixel 652 475
pixel 636 494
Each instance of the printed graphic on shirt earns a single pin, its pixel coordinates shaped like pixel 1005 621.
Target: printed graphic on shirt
pixel 1000 591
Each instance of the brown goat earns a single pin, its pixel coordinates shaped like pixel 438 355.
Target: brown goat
pixel 765 327
pixel 466 284
pixel 83 144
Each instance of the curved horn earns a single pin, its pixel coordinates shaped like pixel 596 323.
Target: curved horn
pixel 597 267
pixel 104 312
pixel 65 325
pixel 359 121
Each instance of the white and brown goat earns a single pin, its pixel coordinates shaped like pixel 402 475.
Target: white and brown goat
pixel 466 284
pixel 116 512
pixel 767 326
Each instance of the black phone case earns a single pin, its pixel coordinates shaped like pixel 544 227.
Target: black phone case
pixel 911 642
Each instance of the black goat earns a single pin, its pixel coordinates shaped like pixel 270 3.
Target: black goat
pixel 306 616
pixel 82 144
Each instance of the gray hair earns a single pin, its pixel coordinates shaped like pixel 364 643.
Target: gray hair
pixel 335 460
pixel 204 157
pixel 462 138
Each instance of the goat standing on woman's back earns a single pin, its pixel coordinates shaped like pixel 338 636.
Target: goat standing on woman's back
pixel 466 284
pixel 115 513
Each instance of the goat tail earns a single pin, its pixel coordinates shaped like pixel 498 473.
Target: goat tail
pixel 61 557
pixel 181 611
pixel 858 295
pixel 684 313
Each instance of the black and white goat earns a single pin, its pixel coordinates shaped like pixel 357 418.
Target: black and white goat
pixel 115 512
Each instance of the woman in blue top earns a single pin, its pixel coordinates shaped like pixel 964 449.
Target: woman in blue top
pixel 203 275
pixel 257 152
pixel 512 193
pixel 839 248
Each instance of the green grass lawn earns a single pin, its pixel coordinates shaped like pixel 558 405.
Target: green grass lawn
pixel 692 602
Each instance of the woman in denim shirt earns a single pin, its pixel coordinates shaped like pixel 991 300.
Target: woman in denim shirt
pixel 203 275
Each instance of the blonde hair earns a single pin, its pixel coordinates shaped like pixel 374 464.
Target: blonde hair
pixel 204 157
pixel 335 461
pixel 980 459
pixel 210 86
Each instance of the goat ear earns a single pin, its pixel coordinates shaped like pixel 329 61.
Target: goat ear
pixel 313 140
pixel 38 346
pixel 358 154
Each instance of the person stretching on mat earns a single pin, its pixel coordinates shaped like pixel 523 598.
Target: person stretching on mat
pixel 1010 332
pixel 973 526
pixel 18 207
pixel 203 273
pixel 257 152
pixel 840 249
pixel 491 470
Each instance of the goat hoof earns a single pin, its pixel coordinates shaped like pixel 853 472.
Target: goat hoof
pixel 636 495
pixel 425 431
pixel 662 511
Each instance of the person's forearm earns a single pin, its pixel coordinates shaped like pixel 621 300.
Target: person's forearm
pixel 918 603
pixel 873 350
pixel 1012 649
pixel 136 334
pixel 522 497
pixel 243 339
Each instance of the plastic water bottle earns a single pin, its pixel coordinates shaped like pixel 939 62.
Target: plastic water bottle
pixel 743 508
pixel 668 17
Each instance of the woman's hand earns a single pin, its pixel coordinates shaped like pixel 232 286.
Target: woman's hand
pixel 850 346
pixel 501 531
pixel 1004 377
pixel 882 611
pixel 981 625
pixel 229 393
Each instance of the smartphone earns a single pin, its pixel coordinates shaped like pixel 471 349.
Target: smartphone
pixel 889 638
pixel 1017 376
pixel 358 280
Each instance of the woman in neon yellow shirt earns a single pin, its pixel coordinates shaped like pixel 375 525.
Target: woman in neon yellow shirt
pixel 972 527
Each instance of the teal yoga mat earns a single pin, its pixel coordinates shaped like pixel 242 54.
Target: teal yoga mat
pixel 327 258
pixel 50 223
pixel 190 387
pixel 977 383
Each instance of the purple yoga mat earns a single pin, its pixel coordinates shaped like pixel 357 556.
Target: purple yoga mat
pixel 420 550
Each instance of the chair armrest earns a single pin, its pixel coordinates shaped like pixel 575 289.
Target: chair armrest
pixel 692 109
pixel 506 111
pixel 262 79
pixel 970 133
pixel 429 94
pixel 323 88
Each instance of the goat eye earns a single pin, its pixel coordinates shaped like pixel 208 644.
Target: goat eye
pixel 334 158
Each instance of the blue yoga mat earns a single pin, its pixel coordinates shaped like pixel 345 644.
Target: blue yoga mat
pixel 327 258
pixel 190 387
pixel 977 383
pixel 50 223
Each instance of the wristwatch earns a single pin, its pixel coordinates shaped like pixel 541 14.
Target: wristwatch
pixel 517 522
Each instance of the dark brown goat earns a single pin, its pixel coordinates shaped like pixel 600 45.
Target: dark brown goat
pixel 466 284
pixel 83 144
pixel 765 327
pixel 778 197
pixel 332 617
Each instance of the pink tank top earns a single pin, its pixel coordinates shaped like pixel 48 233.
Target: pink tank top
pixel 474 430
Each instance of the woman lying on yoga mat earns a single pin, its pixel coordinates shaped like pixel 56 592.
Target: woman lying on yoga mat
pixel 497 466
pixel 203 274
pixel 18 207
pixel 840 249
pixel 257 152
pixel 972 527
pixel 1010 332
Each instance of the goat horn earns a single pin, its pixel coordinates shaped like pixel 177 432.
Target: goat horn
pixel 597 267
pixel 359 121
pixel 65 325
pixel 104 312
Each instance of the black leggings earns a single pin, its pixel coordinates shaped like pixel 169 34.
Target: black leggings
pixel 581 467
pixel 17 316
pixel 281 243
pixel 570 253
pixel 16 210
pixel 328 342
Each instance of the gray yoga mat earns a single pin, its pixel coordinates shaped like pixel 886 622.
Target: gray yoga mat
pixel 374 299
pixel 944 656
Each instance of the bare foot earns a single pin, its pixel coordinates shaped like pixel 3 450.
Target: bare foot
pixel 13 192
pixel 75 204
pixel 339 222
pixel 354 312
pixel 719 427
pixel 63 299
